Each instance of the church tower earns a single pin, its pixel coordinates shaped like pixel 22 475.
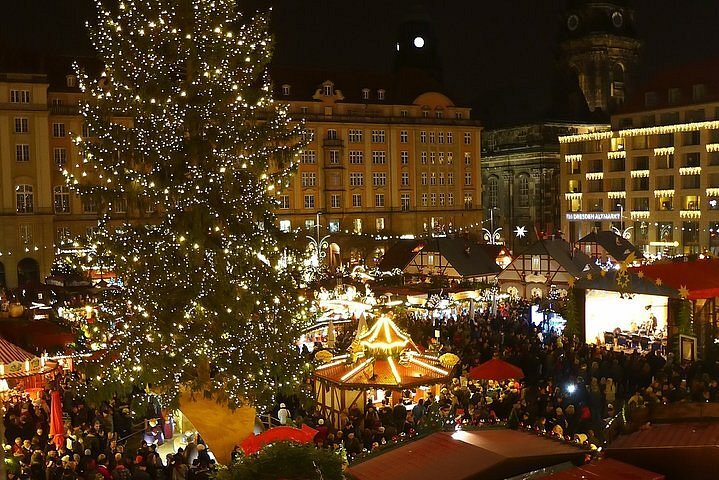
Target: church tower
pixel 599 46
pixel 417 45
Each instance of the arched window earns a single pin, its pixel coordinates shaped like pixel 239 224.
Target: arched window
pixel 524 190
pixel 492 192
pixel 28 271
pixel 618 83
pixel 24 198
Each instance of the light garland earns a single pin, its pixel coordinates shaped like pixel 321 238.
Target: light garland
pixel 617 155
pixel 663 151
pixel 617 194
pixel 712 192
pixel 594 175
pixel 663 129
pixel 712 147
pixel 573 158
pixel 690 214
pixel 639 173
pixel 664 193
pixel 585 137
pixel 690 170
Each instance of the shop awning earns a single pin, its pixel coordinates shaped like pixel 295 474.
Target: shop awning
pixel 700 278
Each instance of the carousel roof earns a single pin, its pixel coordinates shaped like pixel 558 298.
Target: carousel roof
pixel 384 335
pixel 384 357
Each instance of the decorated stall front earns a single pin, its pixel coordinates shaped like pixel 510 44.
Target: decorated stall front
pixel 382 363
pixel 21 370
pixel 543 264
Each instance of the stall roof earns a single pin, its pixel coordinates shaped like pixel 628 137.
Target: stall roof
pixel 606 469
pixel 573 261
pixel 470 259
pixel 482 454
pixel 678 450
pixel 615 245
pixel 637 284
pixel 700 277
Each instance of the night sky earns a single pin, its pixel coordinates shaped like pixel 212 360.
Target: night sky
pixel 486 47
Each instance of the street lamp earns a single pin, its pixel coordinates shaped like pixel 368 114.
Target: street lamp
pixel 621 231
pixel 318 244
pixel 492 235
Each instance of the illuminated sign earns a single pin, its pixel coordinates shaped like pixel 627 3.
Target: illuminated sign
pixel 592 216
pixel 664 244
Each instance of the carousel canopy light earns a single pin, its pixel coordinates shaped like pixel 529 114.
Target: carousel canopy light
pixel 384 335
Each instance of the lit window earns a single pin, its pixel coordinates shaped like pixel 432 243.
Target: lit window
pixel 379 222
pixel 24 198
pixel 285 90
pixel 285 225
pixel 61 199
pixel 357 225
pixel 309 201
pixel 536 263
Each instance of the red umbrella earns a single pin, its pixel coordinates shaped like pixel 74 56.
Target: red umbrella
pixel 254 443
pixel 495 369
pixel 56 424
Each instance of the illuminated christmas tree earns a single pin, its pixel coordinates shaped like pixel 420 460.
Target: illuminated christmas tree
pixel 182 133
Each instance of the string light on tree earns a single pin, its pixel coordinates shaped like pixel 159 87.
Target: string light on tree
pixel 183 132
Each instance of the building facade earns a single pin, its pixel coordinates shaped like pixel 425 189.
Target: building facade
pixel 600 47
pixel 654 173
pixel 520 178
pixel 380 162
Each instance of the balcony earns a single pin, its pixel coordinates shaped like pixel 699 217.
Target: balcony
pixel 663 151
pixel 664 193
pixel 640 173
pixel 64 109
pixel 333 142
pixel 594 175
pixel 573 158
pixel 712 147
pixel 616 155
pixel 690 170
pixel 617 194
pixel 690 214
pixel 639 214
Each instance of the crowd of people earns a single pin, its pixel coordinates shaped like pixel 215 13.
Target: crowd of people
pixel 571 390
pixel 94 446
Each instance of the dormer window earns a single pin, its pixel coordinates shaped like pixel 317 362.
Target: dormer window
pixel 327 89
pixel 285 90
pixel 674 96
pixel 71 81
pixel 425 113
pixel 698 92
pixel 380 94
pixel 438 114
pixel 365 94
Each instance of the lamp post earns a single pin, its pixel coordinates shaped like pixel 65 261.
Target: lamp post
pixel 621 231
pixel 492 235
pixel 318 243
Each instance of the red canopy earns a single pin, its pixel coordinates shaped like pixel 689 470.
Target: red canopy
pixel 496 369
pixel 254 443
pixel 700 277
pixel 57 428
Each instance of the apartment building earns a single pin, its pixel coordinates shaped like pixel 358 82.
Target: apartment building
pixel 387 156
pixel 653 174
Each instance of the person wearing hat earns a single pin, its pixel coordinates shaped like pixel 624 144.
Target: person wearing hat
pixel 322 431
pixel 283 414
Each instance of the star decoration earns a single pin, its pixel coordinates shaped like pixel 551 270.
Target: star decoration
pixel 589 276
pixel 640 274
pixel 571 282
pixel 658 282
pixel 683 291
pixel 603 273
pixel 520 231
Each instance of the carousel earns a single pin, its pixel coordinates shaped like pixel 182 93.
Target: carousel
pixel 383 363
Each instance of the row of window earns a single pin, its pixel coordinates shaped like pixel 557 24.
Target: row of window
pixel 379 179
pixel 356 135
pixel 22 125
pixel 492 189
pixel 25 201
pixel 431 200
pixel 379 157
